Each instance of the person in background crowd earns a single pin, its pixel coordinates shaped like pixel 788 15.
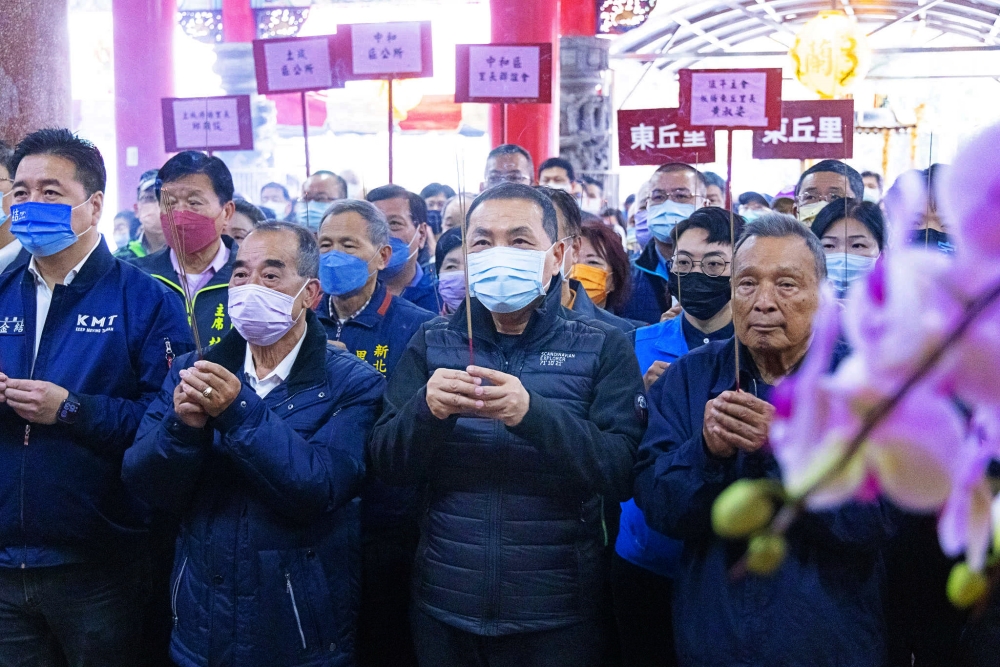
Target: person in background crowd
pixel 404 276
pixel 147 209
pixel 822 605
pixel 199 189
pixel 627 204
pixel 454 210
pixel 318 192
pixel 822 183
pixel 125 223
pixel 245 218
pixel 613 218
pixel 638 227
pixel 752 205
pixel 574 296
pixel 436 196
pixel 274 197
pixel 715 189
pixel 96 337
pixel 873 186
pixel 362 316
pixel 449 265
pixel 676 191
pixel 931 231
pixel 784 201
pixel 591 195
pixel 10 247
pixel 508 163
pixel 259 449
pixel 520 462
pixel 602 267
pixel 558 174
pixel 853 236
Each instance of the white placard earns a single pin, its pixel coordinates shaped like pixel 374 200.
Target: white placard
pixel 386 48
pixel 503 71
pixel 721 99
pixel 302 64
pixel 202 122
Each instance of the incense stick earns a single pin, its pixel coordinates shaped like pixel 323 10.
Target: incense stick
pixel 185 287
pixel 465 256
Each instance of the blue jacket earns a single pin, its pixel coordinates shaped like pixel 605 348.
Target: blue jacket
pixel 823 605
pixel 636 542
pixel 424 293
pixel 211 302
pixel 379 335
pixel 267 564
pixel 650 297
pixel 109 338
pixel 513 537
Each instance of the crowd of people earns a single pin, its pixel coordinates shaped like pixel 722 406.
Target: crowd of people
pixel 445 428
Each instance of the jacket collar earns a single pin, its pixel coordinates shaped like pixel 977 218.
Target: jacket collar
pixel 230 353
pixel 100 262
pixel 159 264
pixel 582 303
pixel 372 314
pixel 541 321
pixel 649 260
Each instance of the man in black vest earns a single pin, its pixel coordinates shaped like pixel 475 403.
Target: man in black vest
pixel 520 451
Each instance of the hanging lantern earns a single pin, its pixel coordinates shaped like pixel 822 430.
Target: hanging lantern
pixel 831 54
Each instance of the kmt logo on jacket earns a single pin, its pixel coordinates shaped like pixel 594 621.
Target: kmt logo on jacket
pixel 93 324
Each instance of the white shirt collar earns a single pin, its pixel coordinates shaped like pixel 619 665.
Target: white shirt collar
pixel 33 266
pixel 263 386
pixel 8 254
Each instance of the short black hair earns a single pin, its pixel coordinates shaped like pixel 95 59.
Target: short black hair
pixel 835 167
pixel 435 189
pixel 616 214
pixel 873 174
pixel 187 163
pixel 867 213
pixel 566 203
pixel 590 180
pixel 418 207
pixel 713 220
pixel 272 184
pixel 506 191
pixel 256 215
pixel 89 162
pixel 307 265
pixel 779 225
pixel 671 167
pixel 447 242
pixel 558 163
pixel 629 201
pixel 341 183
pixel 711 178
pixel 753 197
pixel 511 149
pixel 6 155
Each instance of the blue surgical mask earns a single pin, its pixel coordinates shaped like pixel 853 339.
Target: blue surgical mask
pixel 341 273
pixel 752 214
pixel 664 217
pixel 401 254
pixel 44 228
pixel 505 279
pixel 842 269
pixel 309 214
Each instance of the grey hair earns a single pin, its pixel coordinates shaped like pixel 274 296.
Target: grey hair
pixel 779 225
pixel 307 262
pixel 378 226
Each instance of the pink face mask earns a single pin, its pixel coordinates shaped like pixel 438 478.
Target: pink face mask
pixel 262 315
pixel 194 232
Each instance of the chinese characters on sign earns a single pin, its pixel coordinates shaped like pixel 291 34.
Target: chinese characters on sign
pixel 810 129
pixel 386 48
pixel 744 99
pixel 207 123
pixel 285 65
pixel 657 136
pixel 503 73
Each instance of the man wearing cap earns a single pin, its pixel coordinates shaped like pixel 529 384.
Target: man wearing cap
pixel 147 209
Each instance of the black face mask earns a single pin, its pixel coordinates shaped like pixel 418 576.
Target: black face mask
pixel 701 296
pixel 933 239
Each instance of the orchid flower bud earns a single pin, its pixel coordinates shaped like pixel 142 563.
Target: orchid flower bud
pixel 745 507
pixel 765 554
pixel 966 586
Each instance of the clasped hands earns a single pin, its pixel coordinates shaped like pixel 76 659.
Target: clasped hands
pixel 734 421
pixel 205 390
pixel 452 392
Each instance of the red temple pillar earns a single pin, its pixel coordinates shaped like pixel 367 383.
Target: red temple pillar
pixel 532 126
pixel 578 18
pixel 144 73
pixel 237 21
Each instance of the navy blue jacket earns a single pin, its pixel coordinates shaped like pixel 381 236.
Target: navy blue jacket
pixel 211 302
pixel 584 307
pixel 109 338
pixel 650 297
pixel 513 538
pixel 424 293
pixel 379 335
pixel 267 564
pixel 823 605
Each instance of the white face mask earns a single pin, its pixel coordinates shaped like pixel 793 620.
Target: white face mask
pixel 262 315
pixel 872 195
pixel 505 279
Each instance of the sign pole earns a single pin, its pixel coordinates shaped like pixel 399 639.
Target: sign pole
pixel 390 130
pixel 305 130
pixel 503 123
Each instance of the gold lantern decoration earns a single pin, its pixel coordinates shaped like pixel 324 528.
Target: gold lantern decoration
pixel 830 53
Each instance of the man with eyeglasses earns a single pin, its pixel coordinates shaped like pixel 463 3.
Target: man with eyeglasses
pixel 821 184
pixel 508 163
pixel 318 192
pixel 676 191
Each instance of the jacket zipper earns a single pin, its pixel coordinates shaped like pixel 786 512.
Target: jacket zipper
pixel 295 608
pixel 24 465
pixel 177 589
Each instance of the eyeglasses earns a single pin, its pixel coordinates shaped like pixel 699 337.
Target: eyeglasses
pixel 712 267
pixel 676 196
pixel 811 198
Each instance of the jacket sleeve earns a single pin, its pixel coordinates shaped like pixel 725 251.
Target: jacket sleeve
pixel 599 450
pixel 164 465
pixel 299 477
pixel 404 440
pixel 676 479
pixel 107 424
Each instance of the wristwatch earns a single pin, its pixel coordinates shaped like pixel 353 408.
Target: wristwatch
pixel 69 410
